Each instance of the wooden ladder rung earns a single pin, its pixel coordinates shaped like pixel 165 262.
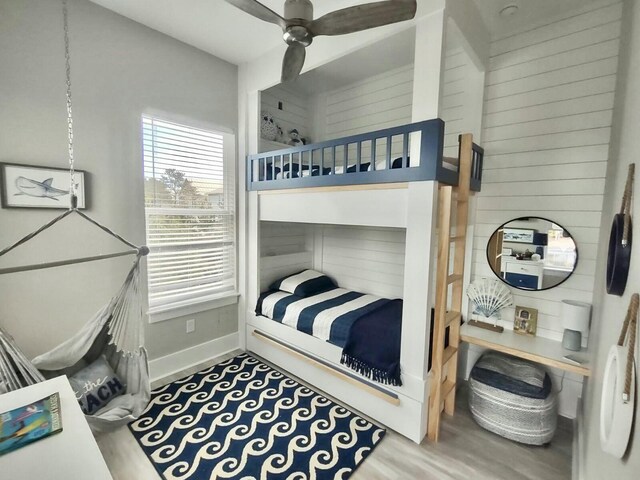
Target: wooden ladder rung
pixel 447 387
pixel 450 317
pixel 448 354
pixel 450 199
pixel 451 160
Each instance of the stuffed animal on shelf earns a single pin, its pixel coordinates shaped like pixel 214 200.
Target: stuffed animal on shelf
pixel 268 127
pixel 295 139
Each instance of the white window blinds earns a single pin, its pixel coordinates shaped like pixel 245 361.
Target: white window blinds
pixel 190 215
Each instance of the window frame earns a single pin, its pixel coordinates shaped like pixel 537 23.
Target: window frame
pixel 180 308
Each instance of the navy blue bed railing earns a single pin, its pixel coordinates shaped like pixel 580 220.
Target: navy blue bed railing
pixel 321 161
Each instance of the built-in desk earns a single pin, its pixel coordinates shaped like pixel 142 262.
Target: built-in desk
pixel 537 349
pixel 72 454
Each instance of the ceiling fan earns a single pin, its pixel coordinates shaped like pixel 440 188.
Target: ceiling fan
pixel 299 27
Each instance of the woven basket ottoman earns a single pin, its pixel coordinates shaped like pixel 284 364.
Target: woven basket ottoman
pixel 513 398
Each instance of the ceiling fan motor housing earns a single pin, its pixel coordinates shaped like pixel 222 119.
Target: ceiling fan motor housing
pixel 298 9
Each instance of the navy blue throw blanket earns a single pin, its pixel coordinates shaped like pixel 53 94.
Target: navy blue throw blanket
pixel 369 334
pixel 493 369
pixel 373 346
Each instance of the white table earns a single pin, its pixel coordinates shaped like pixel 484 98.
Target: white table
pixel 537 349
pixel 72 454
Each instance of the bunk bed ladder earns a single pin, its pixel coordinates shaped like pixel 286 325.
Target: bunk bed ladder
pixel 445 360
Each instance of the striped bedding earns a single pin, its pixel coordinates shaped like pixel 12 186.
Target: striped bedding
pixel 327 316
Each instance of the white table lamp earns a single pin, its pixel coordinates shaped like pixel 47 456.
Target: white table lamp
pixel 575 320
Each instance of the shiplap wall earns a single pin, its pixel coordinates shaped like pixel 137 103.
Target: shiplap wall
pixel 452 99
pixel 279 238
pixel 295 111
pixel 546 130
pixel 377 102
pixel 374 103
pixel 365 259
pixel 285 248
pixel 369 260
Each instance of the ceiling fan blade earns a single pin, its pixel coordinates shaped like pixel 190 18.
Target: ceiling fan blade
pixel 255 8
pixel 363 17
pixel 293 62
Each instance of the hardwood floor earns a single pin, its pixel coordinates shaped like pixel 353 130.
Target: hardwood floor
pixel 465 451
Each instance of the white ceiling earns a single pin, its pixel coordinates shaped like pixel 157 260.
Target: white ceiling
pixel 228 33
pixel 213 25
pixel 529 13
pixel 391 52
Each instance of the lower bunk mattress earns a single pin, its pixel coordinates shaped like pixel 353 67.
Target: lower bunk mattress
pixel 366 327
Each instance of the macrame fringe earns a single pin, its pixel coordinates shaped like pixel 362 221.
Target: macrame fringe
pixel 373 373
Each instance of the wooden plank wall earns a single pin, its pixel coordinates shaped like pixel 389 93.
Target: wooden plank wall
pixel 369 260
pixel 452 100
pixel 285 248
pixel 365 259
pixel 295 111
pixel 546 130
pixel 377 102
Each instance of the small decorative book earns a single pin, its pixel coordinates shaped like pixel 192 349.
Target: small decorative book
pixel 30 423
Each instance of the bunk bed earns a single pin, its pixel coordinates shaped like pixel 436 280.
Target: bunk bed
pixel 385 178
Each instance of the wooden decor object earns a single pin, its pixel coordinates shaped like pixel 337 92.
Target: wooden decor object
pixel 445 360
pixel 620 242
pixel 486 326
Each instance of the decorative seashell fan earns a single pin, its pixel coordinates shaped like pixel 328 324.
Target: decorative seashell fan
pixel 488 297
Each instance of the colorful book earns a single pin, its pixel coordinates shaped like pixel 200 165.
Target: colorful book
pixel 29 423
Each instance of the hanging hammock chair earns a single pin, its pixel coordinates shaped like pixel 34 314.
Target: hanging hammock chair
pixel 114 332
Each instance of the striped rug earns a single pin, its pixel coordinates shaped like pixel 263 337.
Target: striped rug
pixel 242 419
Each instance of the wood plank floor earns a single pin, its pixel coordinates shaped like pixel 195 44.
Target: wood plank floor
pixel 465 451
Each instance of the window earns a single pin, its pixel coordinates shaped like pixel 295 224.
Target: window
pixel 190 214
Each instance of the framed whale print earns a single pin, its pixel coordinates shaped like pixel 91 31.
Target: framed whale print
pixel 27 186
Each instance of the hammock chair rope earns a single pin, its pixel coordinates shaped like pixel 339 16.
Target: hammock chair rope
pixel 630 326
pixel 625 209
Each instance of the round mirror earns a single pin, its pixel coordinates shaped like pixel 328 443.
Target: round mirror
pixel 532 253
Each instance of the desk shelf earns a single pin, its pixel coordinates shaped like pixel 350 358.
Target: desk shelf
pixel 537 349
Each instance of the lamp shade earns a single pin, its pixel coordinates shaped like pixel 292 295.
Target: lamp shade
pixel 576 315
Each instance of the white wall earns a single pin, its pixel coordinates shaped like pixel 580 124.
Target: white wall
pixel 295 111
pixel 374 103
pixel 610 310
pixel 369 260
pixel 120 70
pixel 547 124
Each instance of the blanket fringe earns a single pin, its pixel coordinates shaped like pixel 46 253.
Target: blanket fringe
pixel 373 373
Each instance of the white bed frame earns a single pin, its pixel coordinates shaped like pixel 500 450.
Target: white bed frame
pixel 411 206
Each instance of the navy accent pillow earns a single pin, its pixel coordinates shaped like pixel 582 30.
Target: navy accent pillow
pixel 96 385
pixel 363 167
pixel 270 173
pixel 397 163
pixel 304 284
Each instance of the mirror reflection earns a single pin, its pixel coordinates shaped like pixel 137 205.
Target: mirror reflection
pixel 532 253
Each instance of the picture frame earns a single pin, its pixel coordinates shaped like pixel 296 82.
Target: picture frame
pixel 518 235
pixel 31 186
pixel 525 321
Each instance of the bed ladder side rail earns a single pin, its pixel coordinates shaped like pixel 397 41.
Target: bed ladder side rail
pixel 445 360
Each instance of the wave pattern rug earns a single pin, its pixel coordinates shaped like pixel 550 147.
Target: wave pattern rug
pixel 241 419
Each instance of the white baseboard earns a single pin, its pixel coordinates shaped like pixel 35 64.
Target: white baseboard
pixel 190 357
pixel 577 467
